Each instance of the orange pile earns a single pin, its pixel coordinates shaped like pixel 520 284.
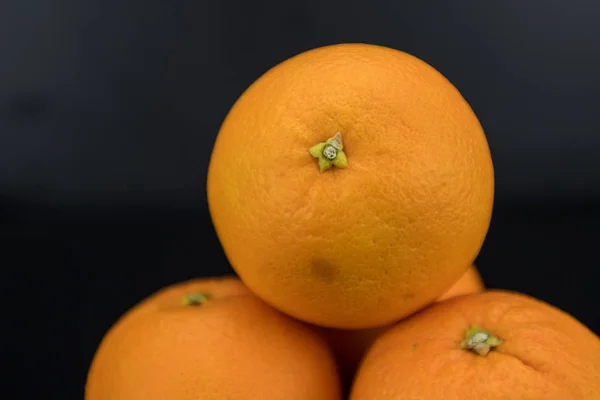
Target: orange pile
pixel 351 187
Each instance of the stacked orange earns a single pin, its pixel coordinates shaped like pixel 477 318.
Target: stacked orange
pixel 351 187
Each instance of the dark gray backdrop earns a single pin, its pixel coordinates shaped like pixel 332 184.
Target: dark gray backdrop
pixel 109 109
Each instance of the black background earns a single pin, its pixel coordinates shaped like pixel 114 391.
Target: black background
pixel 109 109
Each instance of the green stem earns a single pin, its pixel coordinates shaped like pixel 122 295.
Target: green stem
pixel 479 341
pixel 330 153
pixel 196 299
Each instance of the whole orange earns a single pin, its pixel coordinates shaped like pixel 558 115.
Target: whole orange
pixel 211 340
pixel 351 185
pixel 492 345
pixel 349 346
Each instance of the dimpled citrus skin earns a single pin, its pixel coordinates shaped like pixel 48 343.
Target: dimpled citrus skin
pixel 546 354
pixel 365 245
pixel 233 347
pixel 350 345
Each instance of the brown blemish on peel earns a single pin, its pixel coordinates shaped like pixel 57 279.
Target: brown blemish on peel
pixel 324 270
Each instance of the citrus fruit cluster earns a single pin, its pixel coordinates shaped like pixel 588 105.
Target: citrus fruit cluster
pixel 351 188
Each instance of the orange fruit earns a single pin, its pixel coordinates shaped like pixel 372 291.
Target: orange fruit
pixel 349 346
pixel 492 345
pixel 224 344
pixel 350 185
pixel 469 282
